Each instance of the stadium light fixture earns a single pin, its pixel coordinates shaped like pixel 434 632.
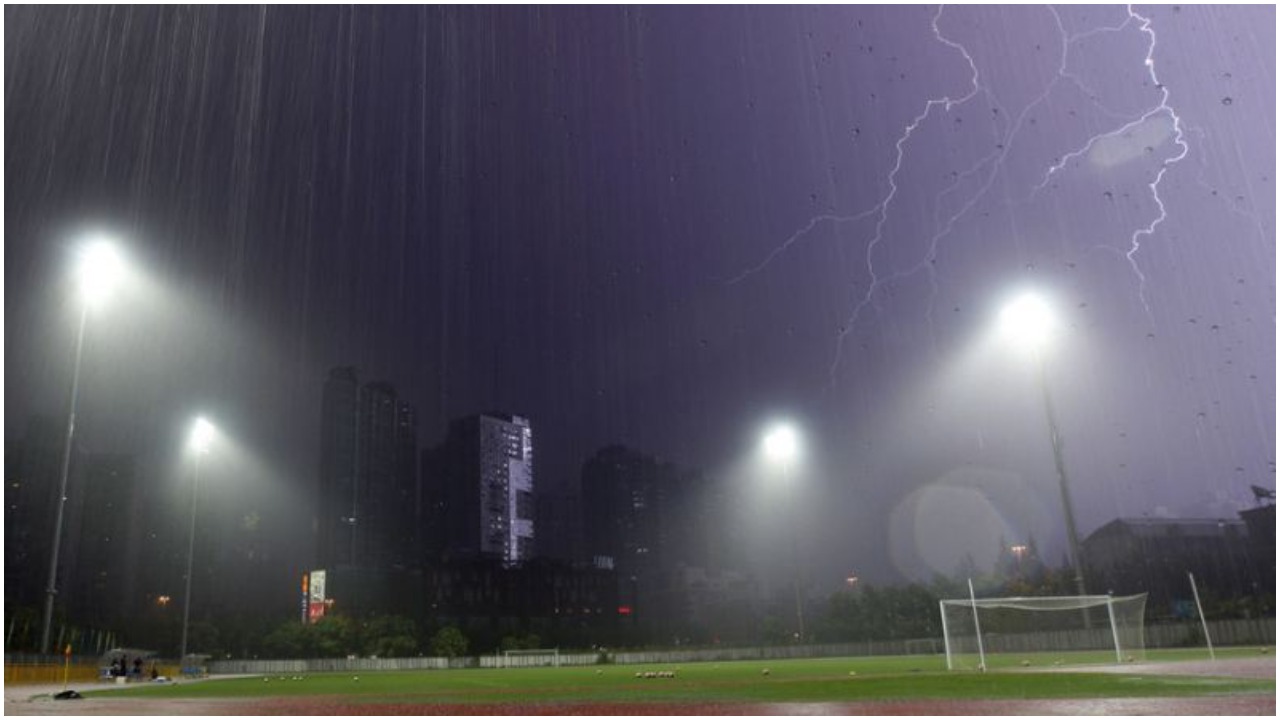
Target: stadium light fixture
pixel 1029 322
pixel 781 446
pixel 98 270
pixel 202 435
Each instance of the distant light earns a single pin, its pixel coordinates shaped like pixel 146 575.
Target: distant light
pixel 1027 321
pixel 99 270
pixel 781 443
pixel 202 435
pixel 163 600
pixel 1019 550
pixel 851 581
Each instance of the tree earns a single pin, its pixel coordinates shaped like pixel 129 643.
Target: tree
pixel 390 636
pixel 290 639
pixel 449 642
pixel 334 636
pixel 205 638
pixel 532 641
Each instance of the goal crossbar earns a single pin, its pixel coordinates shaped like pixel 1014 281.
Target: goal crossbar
pixel 1064 602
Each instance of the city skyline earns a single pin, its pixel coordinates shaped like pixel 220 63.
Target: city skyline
pixel 666 228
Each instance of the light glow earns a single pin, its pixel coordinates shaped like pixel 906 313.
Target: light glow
pixel 781 443
pixel 1027 321
pixel 98 271
pixel 202 435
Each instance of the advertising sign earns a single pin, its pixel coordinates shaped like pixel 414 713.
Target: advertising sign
pixel 316 596
pixel 306 577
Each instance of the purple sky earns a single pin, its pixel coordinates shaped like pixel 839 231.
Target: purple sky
pixel 664 227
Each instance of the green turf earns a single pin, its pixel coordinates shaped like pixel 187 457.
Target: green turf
pixel 811 680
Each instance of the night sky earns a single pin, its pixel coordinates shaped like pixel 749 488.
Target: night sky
pixel 665 227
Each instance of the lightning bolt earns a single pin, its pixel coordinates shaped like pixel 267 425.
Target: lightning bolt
pixel 989 167
pixel 946 102
pixel 1135 244
pixel 794 238
pixel 1163 108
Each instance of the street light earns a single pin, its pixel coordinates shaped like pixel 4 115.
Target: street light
pixel 97 271
pixel 1029 322
pixel 1018 552
pixel 781 445
pixel 202 434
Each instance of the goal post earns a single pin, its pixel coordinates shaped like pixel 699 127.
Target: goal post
pixel 975 629
pixel 540 657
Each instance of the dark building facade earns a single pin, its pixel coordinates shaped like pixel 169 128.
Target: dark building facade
pixel 101 552
pixel 378 513
pixel 337 503
pixel 479 490
pixel 559 526
pixel 663 530
pixel 103 544
pixel 489 599
pixel 407 545
pixel 31 472
pixel 626 514
pixel 1154 555
pixel 1261 522
pixel 368 475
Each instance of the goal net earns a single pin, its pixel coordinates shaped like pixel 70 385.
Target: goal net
pixel 547 657
pixel 976 632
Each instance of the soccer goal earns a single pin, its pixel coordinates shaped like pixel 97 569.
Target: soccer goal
pixel 545 657
pixel 975 630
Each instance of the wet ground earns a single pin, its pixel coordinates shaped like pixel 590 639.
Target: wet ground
pixel 36 700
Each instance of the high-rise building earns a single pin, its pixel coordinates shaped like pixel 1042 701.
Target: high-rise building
pixel 368 475
pixel 408 489
pixel 482 493
pixel 624 505
pixel 335 526
pixel 376 507
pixel 662 530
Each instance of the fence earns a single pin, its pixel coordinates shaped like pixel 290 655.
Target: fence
pixel 865 648
pixel 1260 631
pixel 51 670
pixel 314 665
pixel 516 661
pixel 1224 632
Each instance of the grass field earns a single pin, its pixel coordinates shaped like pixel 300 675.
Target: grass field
pixel 790 681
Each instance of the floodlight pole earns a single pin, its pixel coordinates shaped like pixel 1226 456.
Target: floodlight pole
pixel 795 552
pixel 51 589
pixel 1055 437
pixel 191 551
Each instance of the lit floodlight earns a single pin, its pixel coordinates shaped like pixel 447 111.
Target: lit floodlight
pixel 99 270
pixel 1027 321
pixel 202 436
pixel 781 443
